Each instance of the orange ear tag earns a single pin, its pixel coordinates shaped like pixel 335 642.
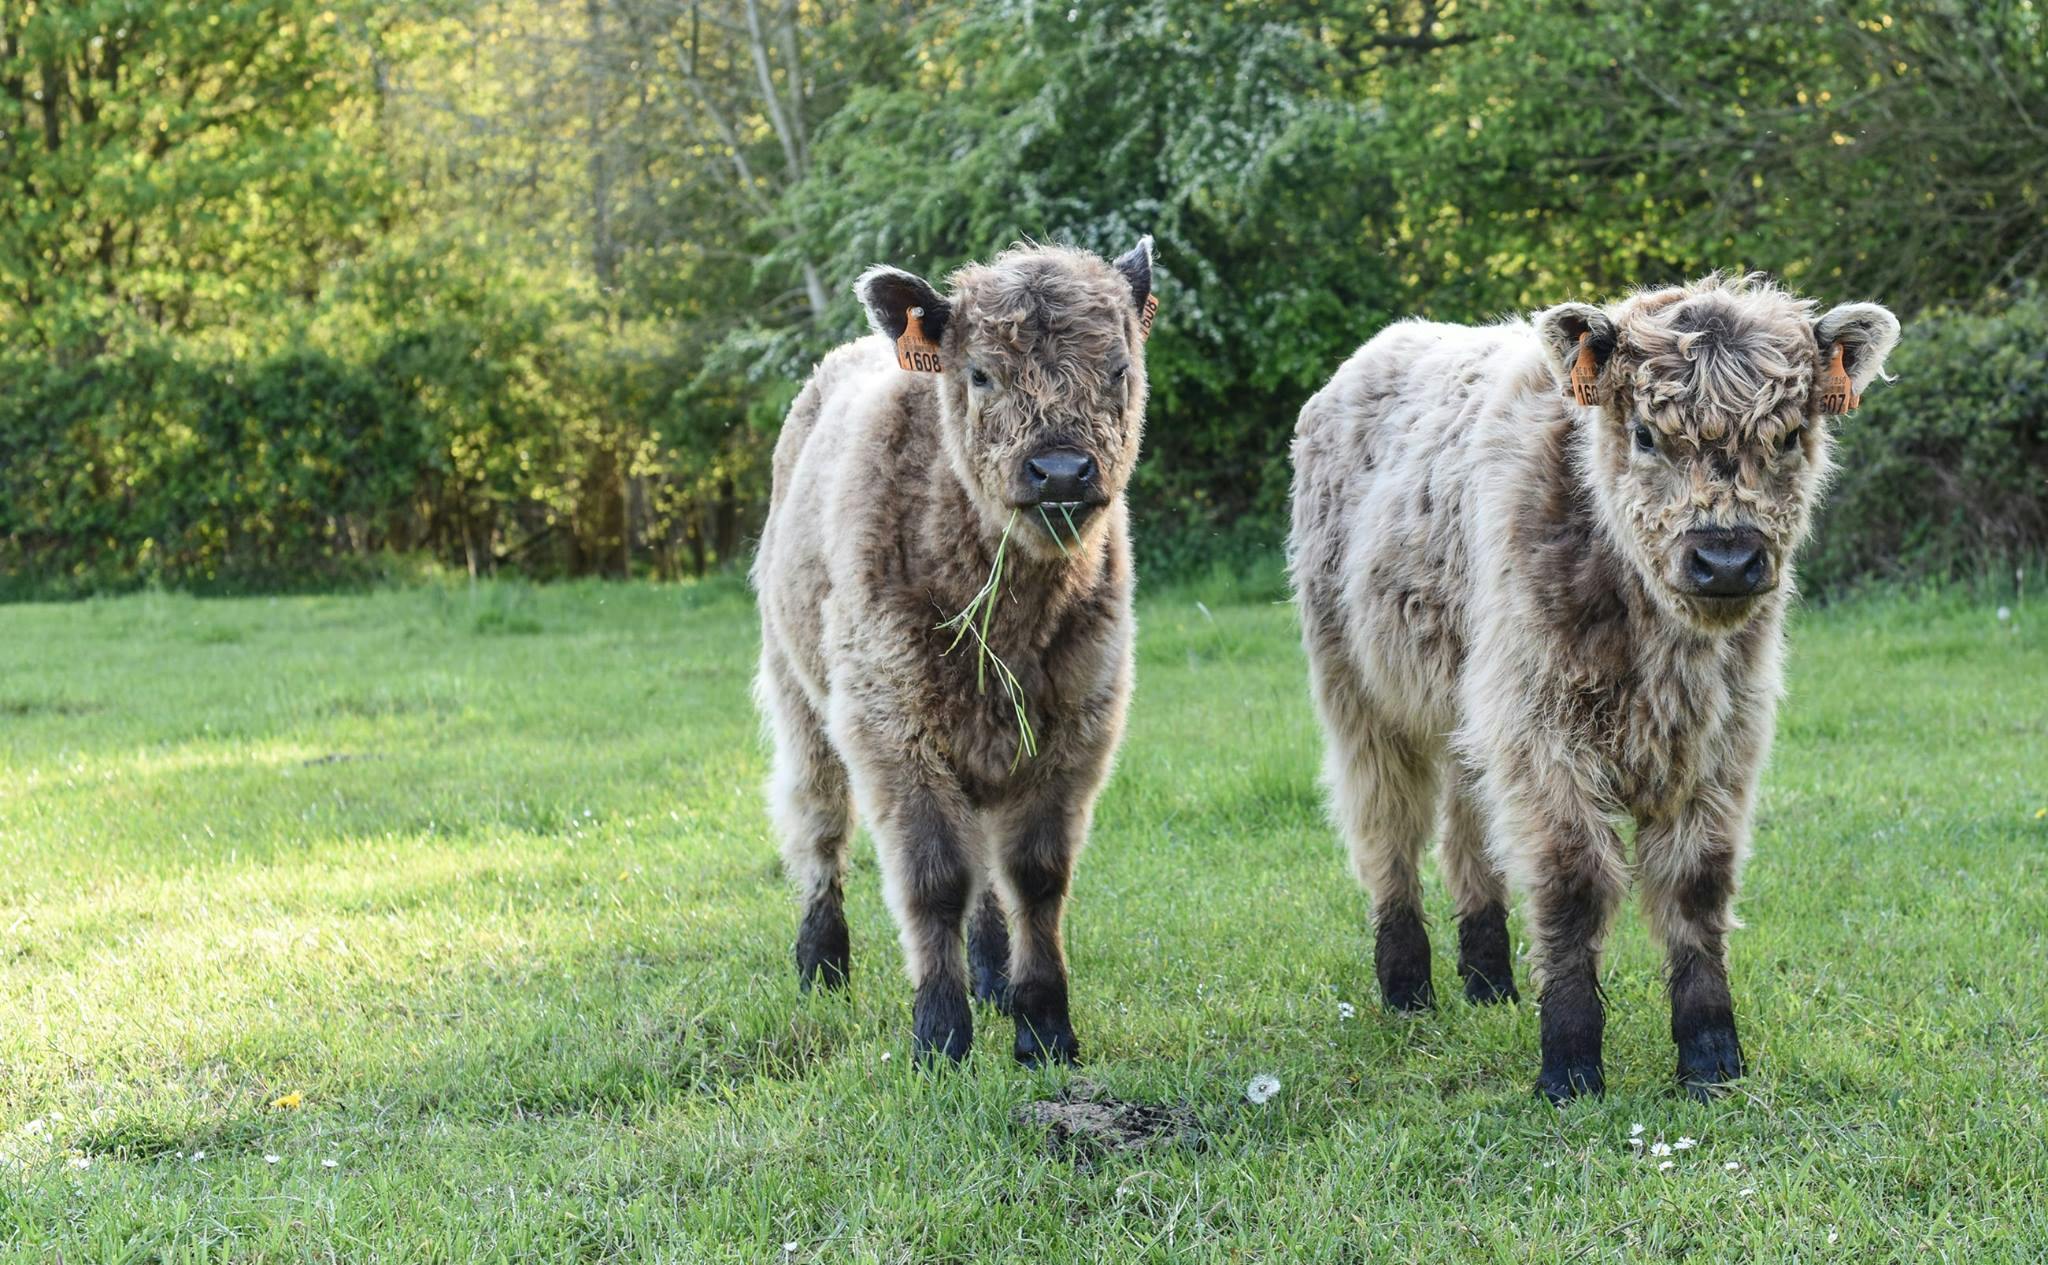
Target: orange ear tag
pixel 1585 374
pixel 1145 315
pixel 1837 393
pixel 914 351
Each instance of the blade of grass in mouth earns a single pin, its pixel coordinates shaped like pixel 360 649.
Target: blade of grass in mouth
pixel 978 618
pixel 1050 530
pixel 1068 515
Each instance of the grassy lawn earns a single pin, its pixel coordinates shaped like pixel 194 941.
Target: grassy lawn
pixel 479 880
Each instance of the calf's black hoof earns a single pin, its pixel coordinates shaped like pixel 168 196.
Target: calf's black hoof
pixel 1037 1046
pixel 824 952
pixel 940 1023
pixel 1481 991
pixel 1044 1032
pixel 1563 1083
pixel 1401 959
pixel 1707 1061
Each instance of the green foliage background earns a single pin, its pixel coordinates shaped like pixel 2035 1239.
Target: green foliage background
pixel 291 291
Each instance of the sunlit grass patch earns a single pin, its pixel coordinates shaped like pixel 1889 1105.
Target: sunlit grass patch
pixel 523 959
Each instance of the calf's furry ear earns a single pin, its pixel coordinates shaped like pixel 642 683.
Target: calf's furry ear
pixel 1136 265
pixel 890 293
pixel 1570 334
pixel 1867 333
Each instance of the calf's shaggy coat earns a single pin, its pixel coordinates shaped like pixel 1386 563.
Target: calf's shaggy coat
pixel 1016 404
pixel 1533 608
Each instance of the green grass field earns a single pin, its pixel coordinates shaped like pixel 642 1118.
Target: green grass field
pixel 444 924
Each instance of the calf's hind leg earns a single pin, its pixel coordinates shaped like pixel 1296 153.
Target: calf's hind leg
pixel 811 803
pixel 1382 790
pixel 1478 892
pixel 988 951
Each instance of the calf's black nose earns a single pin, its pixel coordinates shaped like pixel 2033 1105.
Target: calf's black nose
pixel 1059 474
pixel 1726 563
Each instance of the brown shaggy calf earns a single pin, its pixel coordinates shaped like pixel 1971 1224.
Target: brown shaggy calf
pixel 1018 395
pixel 1542 614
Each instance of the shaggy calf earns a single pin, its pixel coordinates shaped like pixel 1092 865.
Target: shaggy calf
pixel 1013 403
pixel 1542 572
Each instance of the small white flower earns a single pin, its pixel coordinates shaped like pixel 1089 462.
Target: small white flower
pixel 1732 1165
pixel 1635 1131
pixel 1345 1010
pixel 1686 1144
pixel 1661 1148
pixel 329 1163
pixel 271 1159
pixel 2004 613
pixel 789 1248
pixel 81 1161
pixel 198 1156
pixel 1262 1088
pixel 1745 1192
pixel 1665 1167
pixel 1832 1236
pixel 1637 1143
pixel 885 1056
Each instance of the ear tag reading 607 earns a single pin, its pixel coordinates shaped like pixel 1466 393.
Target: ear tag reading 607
pixel 1585 374
pixel 1837 392
pixel 914 351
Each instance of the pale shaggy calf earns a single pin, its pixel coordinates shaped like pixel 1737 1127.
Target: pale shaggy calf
pixel 1534 607
pixel 1017 395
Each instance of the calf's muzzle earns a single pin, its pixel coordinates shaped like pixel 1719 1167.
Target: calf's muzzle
pixel 1060 476
pixel 1726 562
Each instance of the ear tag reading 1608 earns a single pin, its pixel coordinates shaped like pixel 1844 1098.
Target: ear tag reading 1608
pixel 914 351
pixel 1145 315
pixel 1585 374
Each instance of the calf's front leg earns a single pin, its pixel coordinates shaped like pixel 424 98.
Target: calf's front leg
pixel 930 877
pixel 1577 878
pixel 1689 871
pixel 1034 865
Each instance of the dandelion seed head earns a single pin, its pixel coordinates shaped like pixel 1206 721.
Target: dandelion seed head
pixel 1262 1088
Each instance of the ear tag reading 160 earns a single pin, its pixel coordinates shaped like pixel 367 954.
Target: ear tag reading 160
pixel 914 351
pixel 1837 393
pixel 1585 374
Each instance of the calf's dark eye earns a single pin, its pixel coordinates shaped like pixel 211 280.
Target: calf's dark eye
pixel 1645 441
pixel 1791 439
pixel 978 378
